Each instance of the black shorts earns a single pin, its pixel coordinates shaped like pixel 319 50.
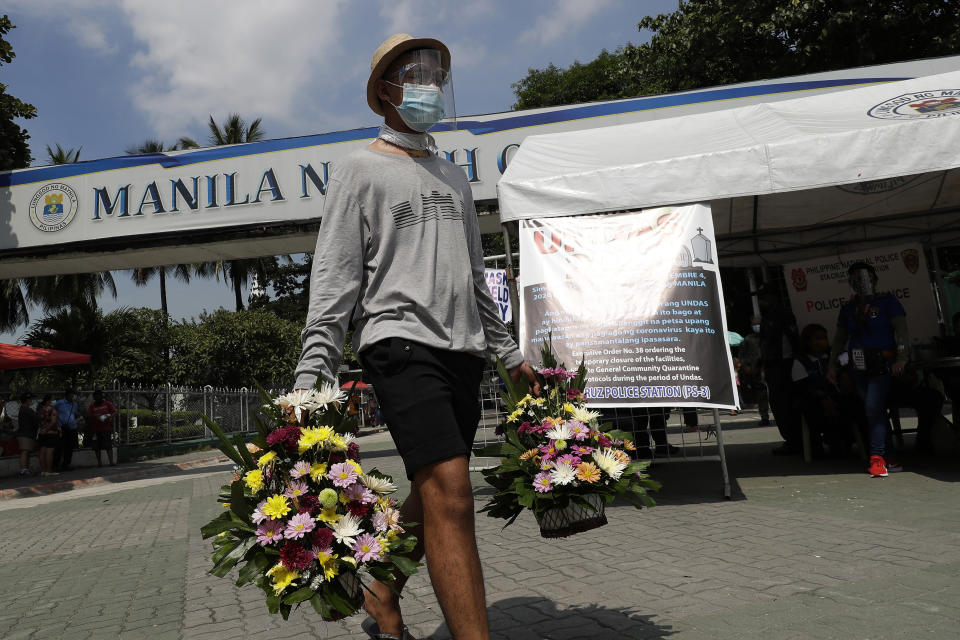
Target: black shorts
pixel 429 399
pixel 48 440
pixel 101 441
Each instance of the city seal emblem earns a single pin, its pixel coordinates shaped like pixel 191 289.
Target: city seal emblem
pixel 53 206
pixel 938 103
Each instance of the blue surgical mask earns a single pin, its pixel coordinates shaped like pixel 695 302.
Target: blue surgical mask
pixel 422 106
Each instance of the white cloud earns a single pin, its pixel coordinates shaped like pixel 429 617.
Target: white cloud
pixel 91 35
pixel 413 16
pixel 220 56
pixel 564 18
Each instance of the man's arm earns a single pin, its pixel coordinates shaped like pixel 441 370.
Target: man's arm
pixel 334 287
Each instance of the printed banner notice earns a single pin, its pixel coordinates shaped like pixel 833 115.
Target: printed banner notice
pixel 499 291
pixel 637 295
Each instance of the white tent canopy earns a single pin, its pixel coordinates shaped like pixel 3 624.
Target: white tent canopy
pixel 785 180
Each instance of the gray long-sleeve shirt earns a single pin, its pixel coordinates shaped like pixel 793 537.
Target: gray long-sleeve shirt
pixel 399 252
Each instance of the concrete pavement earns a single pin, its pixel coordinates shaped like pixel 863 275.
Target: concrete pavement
pixel 802 552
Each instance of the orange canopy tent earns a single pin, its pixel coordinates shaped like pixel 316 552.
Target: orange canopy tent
pixel 15 356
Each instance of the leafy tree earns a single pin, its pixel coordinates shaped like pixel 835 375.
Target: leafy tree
pixel 152 145
pixel 235 131
pixel 714 42
pixel 63 156
pixel 234 349
pixel 14 150
pixel 607 77
pixel 13 305
pixel 50 292
pixel 142 276
pixel 137 353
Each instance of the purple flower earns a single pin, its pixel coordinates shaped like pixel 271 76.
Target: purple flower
pixel 300 469
pixel 542 482
pixel 580 431
pixel 270 531
pixel 568 458
pixel 366 548
pixel 581 451
pixel 342 474
pixel 299 526
pixel 295 489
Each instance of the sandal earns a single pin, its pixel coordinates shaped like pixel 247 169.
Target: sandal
pixel 372 629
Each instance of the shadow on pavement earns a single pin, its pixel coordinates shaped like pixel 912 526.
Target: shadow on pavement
pixel 544 620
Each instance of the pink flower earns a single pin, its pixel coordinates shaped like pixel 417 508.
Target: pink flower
pixel 299 526
pixel 388 519
pixel 270 531
pixel 548 450
pixel 568 458
pixel 526 427
pixel 300 469
pixel 542 482
pixel 366 548
pixel 580 431
pixel 342 474
pixel 359 493
pixel 257 515
pixel 297 488
pixel 581 451
pixel 574 394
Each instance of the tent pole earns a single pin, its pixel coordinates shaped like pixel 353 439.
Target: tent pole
pixel 511 280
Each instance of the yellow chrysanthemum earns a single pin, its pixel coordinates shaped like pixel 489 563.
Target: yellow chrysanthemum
pixel 337 443
pixel 266 458
pixel 317 471
pixel 382 503
pixel 356 466
pixel 329 515
pixel 329 564
pixel 226 505
pixel 282 577
pixel 254 480
pixel 276 507
pixel 384 543
pixel 588 472
pixel 325 433
pixel 569 408
pixel 513 417
pixel 524 400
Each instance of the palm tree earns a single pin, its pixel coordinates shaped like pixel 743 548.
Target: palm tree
pixel 50 292
pixel 63 156
pixel 152 145
pixel 143 275
pixel 13 305
pixel 236 273
pixel 235 131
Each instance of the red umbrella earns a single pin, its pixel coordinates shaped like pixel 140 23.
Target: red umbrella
pixel 350 385
pixel 15 356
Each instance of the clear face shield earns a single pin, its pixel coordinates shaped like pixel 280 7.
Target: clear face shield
pixel 427 90
pixel 862 282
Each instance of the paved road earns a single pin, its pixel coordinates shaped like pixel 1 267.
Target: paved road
pixel 801 552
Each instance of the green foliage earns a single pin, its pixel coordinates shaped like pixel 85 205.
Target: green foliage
pixel 713 42
pixel 14 149
pixel 63 156
pixel 137 351
pixel 233 349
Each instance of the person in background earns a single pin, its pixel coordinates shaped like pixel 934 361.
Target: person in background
pixel 100 415
pixel 819 399
pixel 751 372
pixel 778 344
pixel 48 435
pixel 67 411
pixel 27 426
pixel 11 409
pixel 872 328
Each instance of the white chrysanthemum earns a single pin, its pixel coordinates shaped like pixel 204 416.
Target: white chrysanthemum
pixel 346 528
pixel 300 400
pixel 585 416
pixel 378 484
pixel 560 432
pixel 329 393
pixel 607 461
pixel 563 473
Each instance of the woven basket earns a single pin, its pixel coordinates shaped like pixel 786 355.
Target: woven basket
pixel 574 518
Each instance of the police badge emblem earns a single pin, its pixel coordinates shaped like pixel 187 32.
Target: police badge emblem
pixel 910 259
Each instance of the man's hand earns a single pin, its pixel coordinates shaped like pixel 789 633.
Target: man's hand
pixel 898 367
pixel 525 370
pixel 831 376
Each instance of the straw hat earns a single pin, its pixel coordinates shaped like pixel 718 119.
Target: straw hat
pixel 387 52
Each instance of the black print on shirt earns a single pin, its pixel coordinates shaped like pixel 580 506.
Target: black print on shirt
pixel 436 206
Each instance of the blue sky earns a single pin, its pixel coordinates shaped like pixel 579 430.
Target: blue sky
pixel 107 74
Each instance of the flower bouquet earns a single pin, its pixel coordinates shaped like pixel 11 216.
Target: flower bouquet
pixel 303 519
pixel 557 460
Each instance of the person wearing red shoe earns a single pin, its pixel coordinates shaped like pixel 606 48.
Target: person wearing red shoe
pixel 872 328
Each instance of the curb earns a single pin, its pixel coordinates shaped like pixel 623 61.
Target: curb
pixel 125 476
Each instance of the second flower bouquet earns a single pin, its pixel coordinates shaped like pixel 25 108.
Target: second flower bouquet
pixel 557 460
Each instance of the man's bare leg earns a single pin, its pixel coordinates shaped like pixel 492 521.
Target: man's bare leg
pixel 442 493
pixel 384 605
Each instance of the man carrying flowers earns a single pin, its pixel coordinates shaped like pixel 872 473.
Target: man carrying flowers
pixel 399 257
